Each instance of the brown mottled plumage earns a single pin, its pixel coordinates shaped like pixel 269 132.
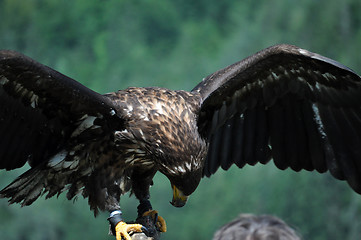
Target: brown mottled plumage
pixel 283 103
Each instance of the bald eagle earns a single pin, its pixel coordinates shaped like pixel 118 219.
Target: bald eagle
pixel 284 103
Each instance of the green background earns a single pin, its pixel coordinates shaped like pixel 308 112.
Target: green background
pixel 113 44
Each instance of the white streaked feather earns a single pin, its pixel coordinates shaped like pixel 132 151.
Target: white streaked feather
pixel 54 161
pixel 86 171
pixel 158 108
pixel 275 76
pixel 304 52
pixel 86 124
pixel 3 81
pixel 70 164
pixel 35 192
pixel 129 110
pixel 74 164
pixel 145 118
pixel 181 169
pixel 189 165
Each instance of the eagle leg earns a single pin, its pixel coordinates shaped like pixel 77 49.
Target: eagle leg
pixel 145 210
pixel 121 229
pixel 141 182
pixel 158 220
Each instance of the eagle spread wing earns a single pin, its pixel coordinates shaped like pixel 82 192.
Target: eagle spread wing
pixel 284 103
pixel 41 109
pixel 42 114
pixel 301 109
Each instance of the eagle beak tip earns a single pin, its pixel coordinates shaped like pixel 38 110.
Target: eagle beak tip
pixel 178 204
pixel 179 199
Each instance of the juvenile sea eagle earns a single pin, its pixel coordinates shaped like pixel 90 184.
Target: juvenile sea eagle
pixel 283 103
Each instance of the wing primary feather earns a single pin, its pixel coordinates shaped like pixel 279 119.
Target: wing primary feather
pixel 15 151
pixel 350 147
pixel 354 137
pixel 262 153
pixel 250 122
pixel 277 132
pixel 339 133
pixel 268 91
pixel 227 145
pixel 214 122
pixel 328 130
pixel 356 119
pixel 10 145
pixel 212 160
pixel 2 144
pixel 206 170
pixel 303 150
pixel 41 151
pixel 222 113
pixel 318 149
pixel 356 123
pixel 291 138
pixel 238 140
pixel 213 152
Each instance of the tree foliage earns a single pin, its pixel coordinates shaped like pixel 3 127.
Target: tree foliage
pixel 112 44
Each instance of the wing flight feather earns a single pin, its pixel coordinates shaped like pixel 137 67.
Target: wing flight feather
pixel 299 108
pixel 40 108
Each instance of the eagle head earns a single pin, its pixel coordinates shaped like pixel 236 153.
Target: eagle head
pixel 184 174
pixel 183 185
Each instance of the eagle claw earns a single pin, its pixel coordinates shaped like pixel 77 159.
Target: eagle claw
pixel 158 220
pixel 145 230
pixel 123 229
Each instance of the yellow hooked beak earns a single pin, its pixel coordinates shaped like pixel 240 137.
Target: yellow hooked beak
pixel 179 199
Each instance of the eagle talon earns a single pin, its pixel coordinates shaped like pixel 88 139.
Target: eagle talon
pixel 158 220
pixel 145 230
pixel 123 229
pixel 155 218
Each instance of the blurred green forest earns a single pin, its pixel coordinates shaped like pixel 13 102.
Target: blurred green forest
pixel 113 44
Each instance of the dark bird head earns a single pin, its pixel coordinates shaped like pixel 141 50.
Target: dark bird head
pixel 182 163
pixel 184 174
pixel 183 186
